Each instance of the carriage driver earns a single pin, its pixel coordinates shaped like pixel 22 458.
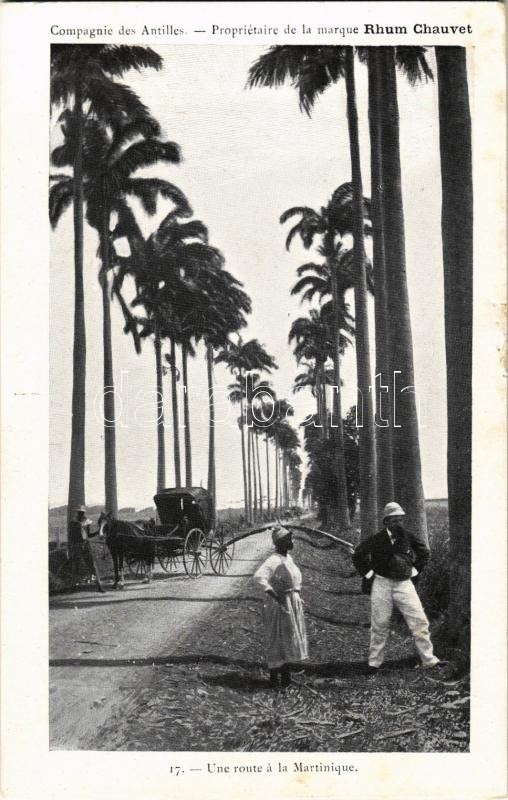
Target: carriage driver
pixel 79 532
pixel 388 561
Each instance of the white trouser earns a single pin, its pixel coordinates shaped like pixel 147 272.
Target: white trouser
pixel 385 594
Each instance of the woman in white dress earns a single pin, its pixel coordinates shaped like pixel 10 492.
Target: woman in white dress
pixel 284 622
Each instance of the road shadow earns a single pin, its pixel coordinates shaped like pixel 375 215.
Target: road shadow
pixel 160 661
pixel 237 680
pixel 340 623
pixel 341 572
pixel 341 592
pixel 237 575
pixel 116 600
pixel 240 682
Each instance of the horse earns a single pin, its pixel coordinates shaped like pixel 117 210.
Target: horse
pixel 126 537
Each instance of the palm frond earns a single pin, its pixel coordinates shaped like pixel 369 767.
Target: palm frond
pixel 60 198
pixel 63 155
pixel 146 153
pixel 148 189
pixel 310 285
pixel 320 270
pixel 304 211
pixel 140 124
pixel 118 59
pixel 413 63
pixel 131 322
pixel 273 68
pixel 112 101
pixel 60 89
pixel 171 232
pixel 320 67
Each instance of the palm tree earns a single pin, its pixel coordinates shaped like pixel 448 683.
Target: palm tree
pixel 384 449
pixel 317 380
pixel 83 74
pixel 222 314
pixel 281 411
pixel 187 350
pixel 407 479
pixel 110 157
pixel 237 396
pixel 170 265
pixel 261 389
pixel 295 476
pixel 368 479
pixel 457 235
pixel 215 312
pixel 241 358
pixel 175 377
pixel 312 70
pixel 314 337
pixel 288 442
pixel 334 277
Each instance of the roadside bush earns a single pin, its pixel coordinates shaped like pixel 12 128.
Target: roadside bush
pixel 321 478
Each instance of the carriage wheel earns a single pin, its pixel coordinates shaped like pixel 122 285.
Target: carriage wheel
pixel 194 553
pixel 221 553
pixel 136 565
pixel 169 561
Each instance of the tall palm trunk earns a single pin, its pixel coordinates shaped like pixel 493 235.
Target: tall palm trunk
pixel 110 489
pixel 254 478
pixel 286 484
pixel 186 419
pixel 277 488
pixel 384 399
pixel 211 434
pixel 176 416
pixel 244 463
pixel 260 485
pixel 161 455
pixel 281 480
pixel 249 472
pixel 457 235
pixel 367 448
pixel 342 508
pixel 320 400
pixel 76 496
pixel 407 473
pixel 244 470
pixel 323 391
pixel 267 477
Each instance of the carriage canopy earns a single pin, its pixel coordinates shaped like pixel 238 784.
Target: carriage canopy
pixel 194 502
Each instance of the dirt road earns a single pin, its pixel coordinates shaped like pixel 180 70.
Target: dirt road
pixel 102 647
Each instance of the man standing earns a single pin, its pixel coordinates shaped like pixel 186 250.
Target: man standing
pixel 81 559
pixel 388 561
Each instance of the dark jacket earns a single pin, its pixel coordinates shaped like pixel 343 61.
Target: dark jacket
pixel 394 561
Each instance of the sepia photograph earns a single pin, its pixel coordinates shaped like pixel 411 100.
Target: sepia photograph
pixel 260 403
pixel 253 417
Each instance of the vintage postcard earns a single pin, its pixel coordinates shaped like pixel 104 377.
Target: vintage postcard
pixel 253 419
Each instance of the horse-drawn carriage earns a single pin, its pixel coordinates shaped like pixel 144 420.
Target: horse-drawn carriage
pixel 183 533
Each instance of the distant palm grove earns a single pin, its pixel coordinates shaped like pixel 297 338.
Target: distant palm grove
pixel 180 299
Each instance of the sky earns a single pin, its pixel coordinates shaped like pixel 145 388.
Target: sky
pixel 248 156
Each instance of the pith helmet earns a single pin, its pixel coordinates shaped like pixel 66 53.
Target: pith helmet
pixel 393 510
pixel 80 508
